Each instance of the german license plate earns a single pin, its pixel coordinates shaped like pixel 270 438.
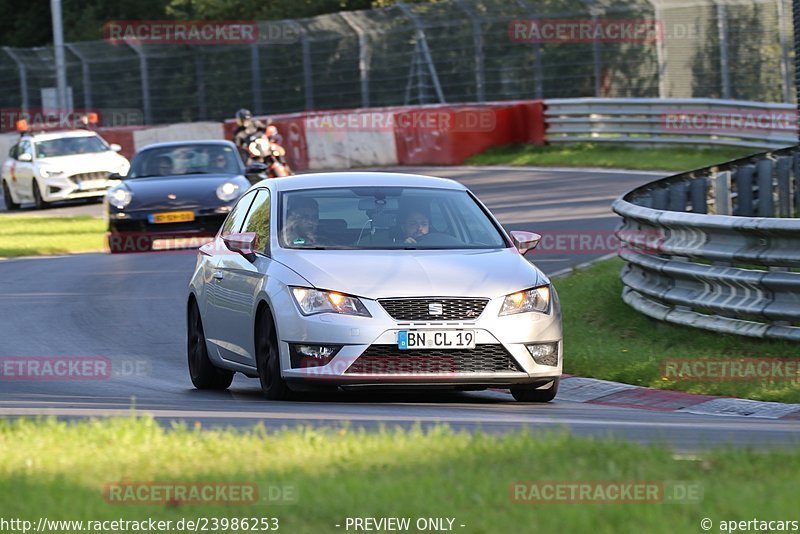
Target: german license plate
pixel 435 339
pixel 171 217
pixel 87 185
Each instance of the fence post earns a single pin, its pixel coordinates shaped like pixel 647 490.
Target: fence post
pixel 146 108
pixel 538 71
pixel 23 77
pixel 200 75
pixel 477 40
pixel 784 40
pixel 423 43
pixel 722 30
pixel 308 81
pixel 597 58
pixel 363 55
pixel 85 74
pixel 255 78
pixel 661 52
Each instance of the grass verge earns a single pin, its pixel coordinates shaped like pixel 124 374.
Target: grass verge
pixel 609 155
pixel 32 236
pixel 61 470
pixel 605 338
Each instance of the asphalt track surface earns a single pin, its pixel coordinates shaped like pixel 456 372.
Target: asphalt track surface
pixel 130 309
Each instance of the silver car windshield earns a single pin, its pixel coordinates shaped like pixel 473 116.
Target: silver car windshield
pixel 385 218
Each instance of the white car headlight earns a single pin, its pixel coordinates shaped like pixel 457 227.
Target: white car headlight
pixel 313 301
pixel 50 173
pixel 119 197
pixel 227 191
pixel 530 300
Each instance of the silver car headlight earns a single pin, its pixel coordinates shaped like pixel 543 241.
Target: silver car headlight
pixel 227 191
pixel 119 197
pixel 530 300
pixel 313 301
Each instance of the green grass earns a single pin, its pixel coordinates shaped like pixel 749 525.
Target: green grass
pixel 31 236
pixel 605 338
pixel 609 155
pixel 59 470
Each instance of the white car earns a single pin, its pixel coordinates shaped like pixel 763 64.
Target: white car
pixel 354 280
pixel 51 166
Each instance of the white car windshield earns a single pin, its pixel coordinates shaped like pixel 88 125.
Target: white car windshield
pixel 69 146
pixel 385 218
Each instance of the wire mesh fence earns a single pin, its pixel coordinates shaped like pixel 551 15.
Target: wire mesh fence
pixel 445 51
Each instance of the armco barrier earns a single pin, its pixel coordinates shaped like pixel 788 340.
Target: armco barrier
pixel 727 255
pixel 701 121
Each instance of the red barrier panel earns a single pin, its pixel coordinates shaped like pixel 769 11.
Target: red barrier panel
pixel 121 135
pixel 449 135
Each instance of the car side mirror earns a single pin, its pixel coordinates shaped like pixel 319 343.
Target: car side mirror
pixel 242 243
pixel 115 176
pixel 25 157
pixel 256 168
pixel 525 241
pixel 115 147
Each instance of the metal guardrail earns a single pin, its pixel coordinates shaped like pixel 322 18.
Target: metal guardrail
pixel 671 120
pixel 705 249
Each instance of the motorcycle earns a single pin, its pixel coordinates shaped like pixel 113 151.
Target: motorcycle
pixel 266 149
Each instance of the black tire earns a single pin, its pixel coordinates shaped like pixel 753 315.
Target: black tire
pixel 10 204
pixel 268 359
pixel 37 197
pixel 531 394
pixel 203 373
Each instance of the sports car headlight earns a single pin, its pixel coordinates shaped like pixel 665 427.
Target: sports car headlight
pixel 50 173
pixel 313 301
pixel 531 300
pixel 119 197
pixel 227 191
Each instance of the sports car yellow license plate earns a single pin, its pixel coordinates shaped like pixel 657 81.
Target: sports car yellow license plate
pixel 172 217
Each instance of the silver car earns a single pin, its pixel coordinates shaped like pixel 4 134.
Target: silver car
pixel 365 279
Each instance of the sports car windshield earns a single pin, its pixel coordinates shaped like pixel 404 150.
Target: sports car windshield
pixel 69 146
pixel 385 218
pixel 185 160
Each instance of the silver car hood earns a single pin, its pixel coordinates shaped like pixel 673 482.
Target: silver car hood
pixel 403 273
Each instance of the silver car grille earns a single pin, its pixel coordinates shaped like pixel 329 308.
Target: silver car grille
pixel 434 309
pixel 388 359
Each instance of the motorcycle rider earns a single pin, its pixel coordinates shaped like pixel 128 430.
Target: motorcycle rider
pixel 247 129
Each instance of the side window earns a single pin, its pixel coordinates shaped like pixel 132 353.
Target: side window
pixel 24 147
pixel 12 153
pixel 236 217
pixel 258 221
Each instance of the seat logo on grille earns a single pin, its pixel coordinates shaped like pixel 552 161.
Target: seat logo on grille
pixel 435 308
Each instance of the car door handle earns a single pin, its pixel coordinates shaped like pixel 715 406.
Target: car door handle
pixel 218 275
